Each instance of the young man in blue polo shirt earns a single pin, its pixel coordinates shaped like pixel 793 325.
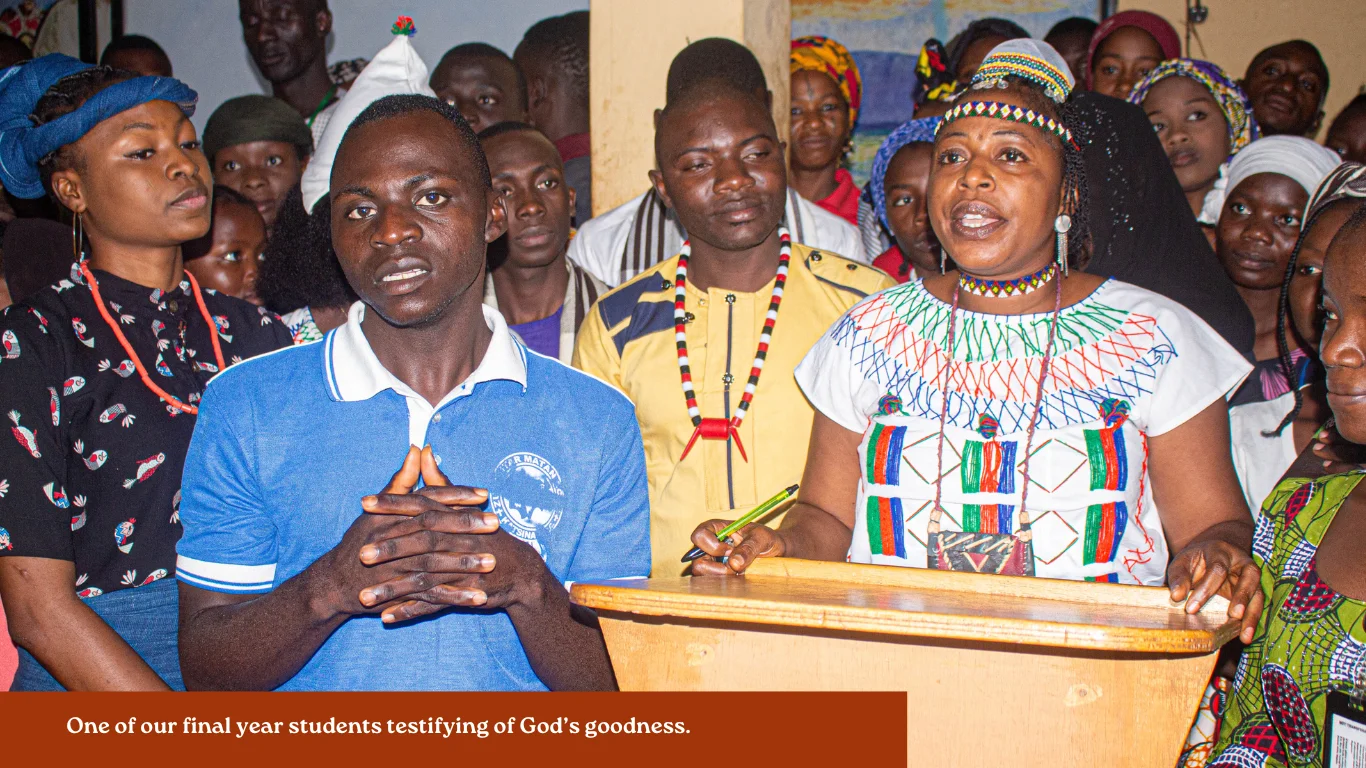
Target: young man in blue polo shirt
pixel 303 561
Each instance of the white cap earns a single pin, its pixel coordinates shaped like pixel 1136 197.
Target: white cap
pixel 396 69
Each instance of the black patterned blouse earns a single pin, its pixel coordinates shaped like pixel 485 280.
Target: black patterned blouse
pixel 90 469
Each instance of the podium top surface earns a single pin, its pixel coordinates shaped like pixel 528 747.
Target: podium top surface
pixel 926 603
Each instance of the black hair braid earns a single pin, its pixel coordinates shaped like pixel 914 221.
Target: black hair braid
pixel 64 97
pixel 1282 340
pixel 1075 191
pixel 1076 194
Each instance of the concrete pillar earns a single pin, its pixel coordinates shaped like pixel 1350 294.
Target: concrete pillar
pixel 633 42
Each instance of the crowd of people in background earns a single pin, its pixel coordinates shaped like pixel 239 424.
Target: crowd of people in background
pixel 366 355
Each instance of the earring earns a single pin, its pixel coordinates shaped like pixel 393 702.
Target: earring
pixel 77 237
pixel 1061 225
pixel 943 261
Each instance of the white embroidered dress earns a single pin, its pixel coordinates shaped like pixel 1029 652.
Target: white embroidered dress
pixel 1127 364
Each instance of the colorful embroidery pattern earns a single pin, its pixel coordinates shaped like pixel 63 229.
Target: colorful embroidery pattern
pixel 897 339
pixel 988 467
pixel 1109 462
pixel 886 522
pixel 886 526
pixel 1311 639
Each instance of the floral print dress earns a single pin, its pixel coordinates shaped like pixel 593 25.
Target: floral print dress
pixel 1310 641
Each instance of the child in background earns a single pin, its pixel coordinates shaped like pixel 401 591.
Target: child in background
pixel 1125 48
pixel 1310 638
pixel 900 175
pixel 258 146
pixel 226 259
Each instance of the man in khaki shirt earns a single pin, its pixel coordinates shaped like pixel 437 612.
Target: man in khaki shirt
pixel 722 170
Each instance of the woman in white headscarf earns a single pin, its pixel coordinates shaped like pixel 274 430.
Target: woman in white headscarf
pixel 1269 186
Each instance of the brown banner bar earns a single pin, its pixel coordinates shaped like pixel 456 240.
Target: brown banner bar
pixel 319 730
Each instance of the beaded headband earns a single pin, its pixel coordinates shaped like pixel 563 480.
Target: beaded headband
pixel 1035 69
pixel 1011 112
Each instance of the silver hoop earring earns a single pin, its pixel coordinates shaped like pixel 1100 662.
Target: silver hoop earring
pixel 943 261
pixel 1062 225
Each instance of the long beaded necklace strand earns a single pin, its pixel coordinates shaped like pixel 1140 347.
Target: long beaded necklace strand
pixel 714 428
pixel 937 510
pixel 128 348
pixel 1018 287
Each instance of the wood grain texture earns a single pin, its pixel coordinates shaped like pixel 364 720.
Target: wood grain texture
pixel 1024 672
pixel 927 604
pixel 969 704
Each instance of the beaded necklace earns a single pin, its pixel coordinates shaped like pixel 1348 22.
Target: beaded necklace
pixel 714 428
pixel 128 348
pixel 937 510
pixel 1020 286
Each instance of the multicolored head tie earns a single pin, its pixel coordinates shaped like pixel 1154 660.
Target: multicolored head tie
pixel 1012 112
pixel 934 81
pixel 1030 60
pixel 821 54
pixel 1032 68
pixel 1242 127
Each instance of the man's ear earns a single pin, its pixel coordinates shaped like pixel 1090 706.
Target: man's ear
pixel 659 113
pixel 66 187
pixel 657 179
pixel 324 22
pixel 573 198
pixel 537 92
pixel 497 222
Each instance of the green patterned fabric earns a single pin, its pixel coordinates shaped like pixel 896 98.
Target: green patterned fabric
pixel 1310 640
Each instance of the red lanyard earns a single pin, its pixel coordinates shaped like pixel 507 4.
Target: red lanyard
pixel 123 340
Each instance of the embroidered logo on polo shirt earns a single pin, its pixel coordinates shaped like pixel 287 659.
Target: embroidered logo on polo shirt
pixel 527 497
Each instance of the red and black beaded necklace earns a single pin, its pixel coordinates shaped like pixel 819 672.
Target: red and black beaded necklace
pixel 715 428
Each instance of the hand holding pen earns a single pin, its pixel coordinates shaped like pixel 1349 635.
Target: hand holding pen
pixel 719 538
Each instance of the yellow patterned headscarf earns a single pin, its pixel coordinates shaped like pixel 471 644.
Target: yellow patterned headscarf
pixel 821 54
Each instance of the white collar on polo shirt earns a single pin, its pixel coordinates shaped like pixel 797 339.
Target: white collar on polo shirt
pixel 354 373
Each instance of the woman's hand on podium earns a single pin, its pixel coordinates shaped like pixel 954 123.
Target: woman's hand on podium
pixel 744 546
pixel 1213 565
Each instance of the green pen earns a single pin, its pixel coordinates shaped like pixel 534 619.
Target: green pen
pixel 749 517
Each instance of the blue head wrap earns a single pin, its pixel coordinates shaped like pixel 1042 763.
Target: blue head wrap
pixel 908 132
pixel 22 144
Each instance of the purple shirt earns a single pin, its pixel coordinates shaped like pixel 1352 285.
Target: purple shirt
pixel 543 335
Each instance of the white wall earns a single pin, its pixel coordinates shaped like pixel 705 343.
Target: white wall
pixel 204 37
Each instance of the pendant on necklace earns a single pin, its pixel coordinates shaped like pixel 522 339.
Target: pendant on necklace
pixel 715 429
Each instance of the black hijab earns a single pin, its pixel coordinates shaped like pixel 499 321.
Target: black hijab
pixel 1142 228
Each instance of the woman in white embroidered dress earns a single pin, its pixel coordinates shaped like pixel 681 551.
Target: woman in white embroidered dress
pixel 1070 409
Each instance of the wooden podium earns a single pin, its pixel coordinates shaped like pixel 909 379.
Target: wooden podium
pixel 999 670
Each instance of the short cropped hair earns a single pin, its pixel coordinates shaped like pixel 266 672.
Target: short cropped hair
pixel 562 41
pixel 407 103
pixel 487 51
pixel 714 58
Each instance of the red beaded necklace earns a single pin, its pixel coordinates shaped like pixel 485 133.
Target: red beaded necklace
pixel 128 348
pixel 714 428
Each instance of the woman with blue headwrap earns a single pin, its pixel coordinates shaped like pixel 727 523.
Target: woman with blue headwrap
pixel 900 176
pixel 101 373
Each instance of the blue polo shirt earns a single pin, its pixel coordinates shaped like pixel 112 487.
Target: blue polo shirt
pixel 287 444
